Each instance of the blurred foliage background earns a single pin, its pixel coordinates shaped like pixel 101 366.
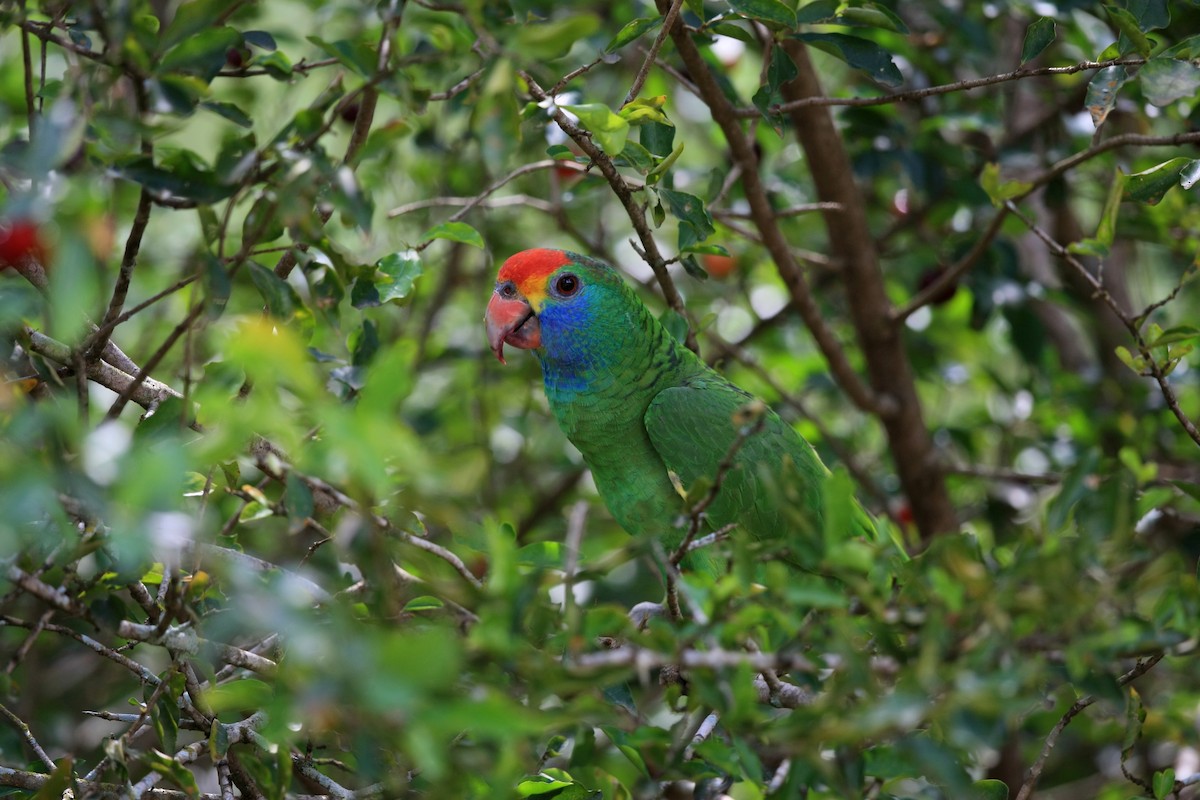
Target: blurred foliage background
pixel 274 523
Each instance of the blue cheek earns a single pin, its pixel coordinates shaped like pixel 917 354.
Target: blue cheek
pixel 564 330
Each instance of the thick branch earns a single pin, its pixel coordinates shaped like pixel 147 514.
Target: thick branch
pixel 881 338
pixel 764 219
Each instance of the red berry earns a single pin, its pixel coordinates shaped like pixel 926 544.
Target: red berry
pixel 18 239
pixel 719 266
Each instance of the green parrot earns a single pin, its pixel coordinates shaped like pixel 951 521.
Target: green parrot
pixel 650 418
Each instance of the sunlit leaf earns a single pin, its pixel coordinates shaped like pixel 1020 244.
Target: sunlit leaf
pixel 608 129
pixel 455 232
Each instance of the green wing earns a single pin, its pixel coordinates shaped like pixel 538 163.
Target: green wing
pixel 773 490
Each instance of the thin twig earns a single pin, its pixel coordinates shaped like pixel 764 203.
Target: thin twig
pixel 1035 772
pixel 1156 370
pixel 644 71
pixel 948 88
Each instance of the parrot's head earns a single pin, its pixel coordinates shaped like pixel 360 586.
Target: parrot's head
pixel 549 300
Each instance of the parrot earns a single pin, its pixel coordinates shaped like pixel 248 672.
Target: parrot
pixel 650 418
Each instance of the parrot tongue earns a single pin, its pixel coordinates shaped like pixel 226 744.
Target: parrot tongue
pixel 511 320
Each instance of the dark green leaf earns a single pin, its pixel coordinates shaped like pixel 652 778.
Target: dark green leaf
pixel 817 11
pixel 1131 31
pixel 695 223
pixel 353 54
pixel 202 55
pixel 1149 186
pixel 260 39
pixel 1038 36
pixel 396 275
pixel 185 178
pixel 859 53
pixel 297 500
pixel 873 15
pixel 658 138
pixel 229 111
pixel 632 30
pixel 780 71
pixel 990 789
pixel 771 12
pixel 217 286
pixel 190 18
pixel 278 294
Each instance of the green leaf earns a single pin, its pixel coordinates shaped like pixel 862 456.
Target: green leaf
pixel 260 39
pixel 1167 80
pixel 191 18
pixel 990 789
pixel 1107 228
pixel 352 54
pixel 817 11
pixel 247 693
pixel 675 323
pixel 873 15
pixel 229 111
pixel 609 130
pixel 1164 783
pixel 695 223
pixel 455 232
pixel 771 12
pixel 1038 36
pixel 997 190
pixel 1149 186
pixel 658 138
pixel 298 500
pixel 184 177
pixel 60 781
pixel 1192 490
pixel 423 603
pixel 217 286
pixel 781 70
pixel 636 156
pixel 396 274
pixel 1102 92
pixel 1135 363
pixel 363 344
pixel 1127 24
pixel 862 54
pixel 280 297
pixel 632 31
pixel 1176 333
pixel 202 54
pixel 546 41
pixel 645 110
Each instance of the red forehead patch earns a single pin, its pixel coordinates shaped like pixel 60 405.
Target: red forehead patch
pixel 532 265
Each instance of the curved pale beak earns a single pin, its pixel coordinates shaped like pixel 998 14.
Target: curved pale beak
pixel 511 320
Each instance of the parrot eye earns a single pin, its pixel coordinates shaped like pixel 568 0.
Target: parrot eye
pixel 566 285
pixel 507 289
